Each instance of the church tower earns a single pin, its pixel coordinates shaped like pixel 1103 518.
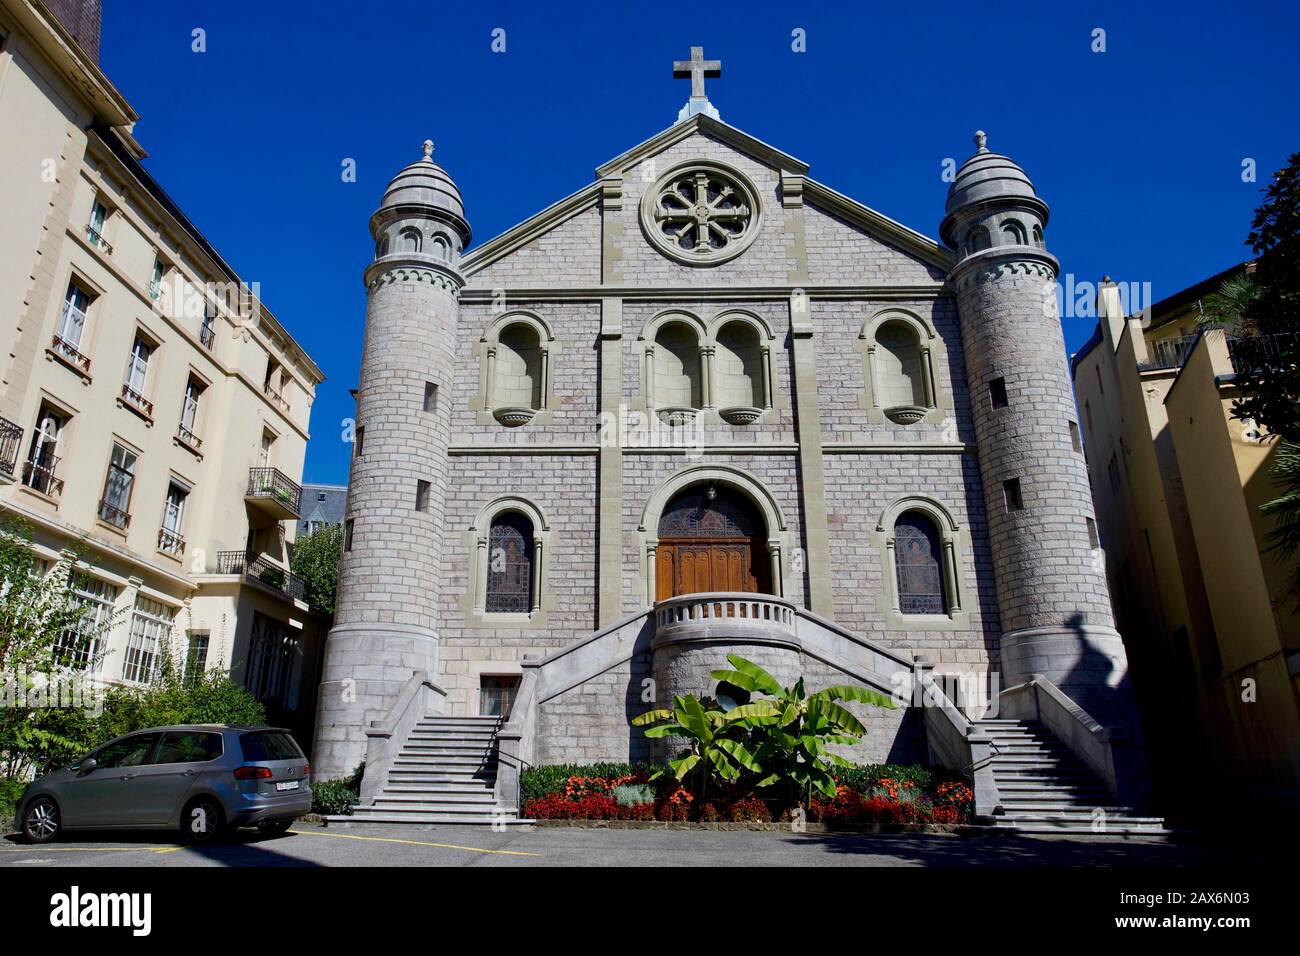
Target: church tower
pixel 386 625
pixel 1051 584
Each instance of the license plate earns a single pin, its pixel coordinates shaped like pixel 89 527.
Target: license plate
pixel 287 785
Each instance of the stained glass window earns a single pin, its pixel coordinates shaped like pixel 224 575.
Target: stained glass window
pixel 510 564
pixel 692 514
pixel 917 555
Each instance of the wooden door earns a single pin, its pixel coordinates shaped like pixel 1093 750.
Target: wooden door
pixel 710 542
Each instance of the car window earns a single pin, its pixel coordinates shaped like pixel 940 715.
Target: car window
pixel 269 745
pixel 188 746
pixel 130 752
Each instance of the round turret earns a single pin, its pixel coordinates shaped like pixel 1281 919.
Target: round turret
pixel 991 202
pixel 421 214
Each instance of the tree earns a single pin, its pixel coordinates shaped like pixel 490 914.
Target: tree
pixel 1268 371
pixel 1230 305
pixel 316 560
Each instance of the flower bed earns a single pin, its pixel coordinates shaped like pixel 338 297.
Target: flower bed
pixel 873 797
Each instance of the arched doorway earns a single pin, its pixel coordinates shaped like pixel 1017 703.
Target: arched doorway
pixel 711 538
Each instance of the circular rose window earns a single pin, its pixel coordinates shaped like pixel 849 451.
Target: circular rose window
pixel 701 213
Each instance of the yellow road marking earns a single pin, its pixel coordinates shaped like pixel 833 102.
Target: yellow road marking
pixel 170 849
pixel 445 846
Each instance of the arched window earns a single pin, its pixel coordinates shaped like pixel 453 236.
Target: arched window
pixel 518 378
pixel 441 248
pixel 677 375
pixel 381 246
pixel 900 376
pixel 510 565
pixel 977 239
pixel 1013 233
pixel 918 560
pixel 515 380
pixel 409 240
pixel 739 375
pixel 1038 236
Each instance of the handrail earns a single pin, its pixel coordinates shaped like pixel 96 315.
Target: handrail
pixel 385 738
pixel 70 353
pixel 41 477
pixel 267 482
pixel 11 437
pixel 258 567
pixel 735 607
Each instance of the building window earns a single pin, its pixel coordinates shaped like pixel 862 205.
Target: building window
pixel 347 534
pixel 171 536
pixel 1011 495
pixel 1076 441
pixel 978 239
pixel 151 624
pixel 273 654
pixel 409 240
pixel 510 565
pixel 81 648
pixel 189 426
pixel 1013 233
pixel 421 495
pixel 115 506
pixel 998 393
pixel 1038 237
pixel 496 695
pixel 156 277
pixel 518 381
pixel 72 324
pixel 42 460
pixel 917 559
pixel 739 369
pixel 196 658
pixel 95 228
pixel 359 442
pixel 137 373
pixel 515 383
pixel 430 397
pixel 207 330
pixel 898 370
pixel 677 382
pixel 266 454
pixel 1093 541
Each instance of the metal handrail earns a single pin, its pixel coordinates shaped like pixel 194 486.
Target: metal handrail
pixel 170 542
pixel 113 515
pixel 135 398
pixel 188 437
pixel 11 437
pixel 41 477
pixel 96 238
pixel 273 483
pixel 276 398
pixel 257 567
pixel 71 353
pixel 206 335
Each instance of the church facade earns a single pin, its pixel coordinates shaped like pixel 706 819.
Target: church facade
pixel 708 405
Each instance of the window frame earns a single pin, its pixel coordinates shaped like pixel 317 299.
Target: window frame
pixel 954 564
pixel 477 540
pixel 933 357
pixel 484 402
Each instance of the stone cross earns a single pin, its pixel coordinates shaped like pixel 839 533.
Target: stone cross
pixel 697 68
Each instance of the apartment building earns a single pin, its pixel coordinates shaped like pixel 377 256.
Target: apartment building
pixel 153 412
pixel 1201 598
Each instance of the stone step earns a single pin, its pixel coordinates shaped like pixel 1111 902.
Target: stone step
pixel 1018 805
pixel 466 722
pixel 448 747
pixel 441 778
pixel 484 739
pixel 1042 828
pixel 439 807
pixel 424 819
pixel 433 766
pixel 438 795
pixel 433 756
pixel 1018 787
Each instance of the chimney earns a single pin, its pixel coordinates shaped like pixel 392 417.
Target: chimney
pixel 82 19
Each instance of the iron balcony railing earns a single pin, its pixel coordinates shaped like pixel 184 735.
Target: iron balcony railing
pixel 206 335
pixel 258 567
pixel 1171 353
pixel 70 352
pixel 96 238
pixel 273 483
pixel 170 542
pixel 112 514
pixel 187 437
pixel 11 437
pixel 134 398
pixel 39 476
pixel 1250 352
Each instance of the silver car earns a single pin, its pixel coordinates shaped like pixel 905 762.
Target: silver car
pixel 202 779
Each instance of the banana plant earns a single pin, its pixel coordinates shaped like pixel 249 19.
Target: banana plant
pixel 714 747
pixel 790 732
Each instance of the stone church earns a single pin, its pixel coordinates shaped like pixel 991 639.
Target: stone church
pixel 707 404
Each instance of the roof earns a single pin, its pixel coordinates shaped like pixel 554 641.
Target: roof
pixel 331 510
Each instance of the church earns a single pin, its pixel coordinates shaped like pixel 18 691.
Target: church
pixel 709 405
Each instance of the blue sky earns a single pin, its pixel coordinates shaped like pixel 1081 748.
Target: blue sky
pixel 1138 150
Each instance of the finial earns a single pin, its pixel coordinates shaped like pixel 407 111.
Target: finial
pixel 981 140
pixel 428 149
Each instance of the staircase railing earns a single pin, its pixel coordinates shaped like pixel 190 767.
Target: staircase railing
pixel 385 739
pixel 954 740
pixel 1104 750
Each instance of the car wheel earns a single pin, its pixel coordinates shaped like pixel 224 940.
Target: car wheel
pixel 202 821
pixel 274 827
pixel 41 821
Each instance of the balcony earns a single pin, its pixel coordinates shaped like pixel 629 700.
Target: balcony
pixel 258 567
pixel 763 618
pixel 137 402
pixel 206 335
pixel 96 239
pixel 10 437
pixel 276 398
pixel 111 514
pixel 39 476
pixel 186 437
pixel 68 353
pixel 271 492
pixel 169 542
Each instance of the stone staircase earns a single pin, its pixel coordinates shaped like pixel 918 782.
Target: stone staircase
pixel 444 774
pixel 1044 788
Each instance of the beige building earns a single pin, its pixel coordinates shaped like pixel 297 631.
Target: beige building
pixel 1213 636
pixel 153 413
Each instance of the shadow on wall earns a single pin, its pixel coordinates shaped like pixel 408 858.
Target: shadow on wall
pixel 1088 683
pixel 640 692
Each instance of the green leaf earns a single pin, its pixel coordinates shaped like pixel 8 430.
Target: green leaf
pixel 736 750
pixel 652 716
pixel 861 695
pixel 666 730
pixel 682 766
pixel 762 680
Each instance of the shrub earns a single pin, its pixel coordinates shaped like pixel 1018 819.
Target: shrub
pixel 338 797
pixel 634 794
pixel 11 791
pixel 867 777
pixel 538 782
pixel 749 810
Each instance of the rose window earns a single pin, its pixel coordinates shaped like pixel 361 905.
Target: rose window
pixel 701 213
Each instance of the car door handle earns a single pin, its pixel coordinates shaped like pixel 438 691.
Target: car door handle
pixel 190 773
pixel 128 776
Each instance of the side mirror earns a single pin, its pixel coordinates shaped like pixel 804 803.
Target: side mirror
pixel 87 766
